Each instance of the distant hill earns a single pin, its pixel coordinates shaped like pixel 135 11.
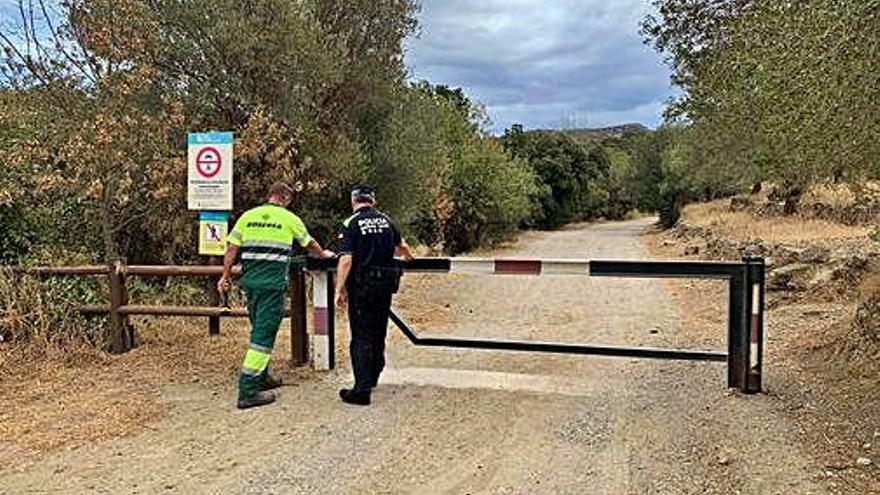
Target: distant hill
pixel 617 132
pixel 593 135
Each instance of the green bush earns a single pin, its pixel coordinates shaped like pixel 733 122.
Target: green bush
pixel 573 181
pixel 491 194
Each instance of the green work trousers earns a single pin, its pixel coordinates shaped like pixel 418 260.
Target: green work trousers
pixel 265 310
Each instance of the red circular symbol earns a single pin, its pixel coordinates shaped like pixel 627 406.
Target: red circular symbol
pixel 208 162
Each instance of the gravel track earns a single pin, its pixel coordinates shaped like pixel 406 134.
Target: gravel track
pixel 462 421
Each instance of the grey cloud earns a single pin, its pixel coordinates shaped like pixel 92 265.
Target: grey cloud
pixel 543 63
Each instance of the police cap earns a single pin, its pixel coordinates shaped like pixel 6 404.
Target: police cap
pixel 363 192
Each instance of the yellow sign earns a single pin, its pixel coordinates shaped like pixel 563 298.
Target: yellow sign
pixel 213 227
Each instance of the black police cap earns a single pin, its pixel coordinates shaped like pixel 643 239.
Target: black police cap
pixel 363 191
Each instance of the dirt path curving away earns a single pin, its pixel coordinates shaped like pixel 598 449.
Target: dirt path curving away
pixel 459 421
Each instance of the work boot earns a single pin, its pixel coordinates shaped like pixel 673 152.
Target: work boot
pixel 261 398
pixel 357 398
pixel 270 382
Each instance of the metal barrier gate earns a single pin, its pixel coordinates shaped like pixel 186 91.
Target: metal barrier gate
pixel 745 348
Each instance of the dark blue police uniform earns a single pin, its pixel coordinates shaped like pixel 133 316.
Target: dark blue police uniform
pixel 370 237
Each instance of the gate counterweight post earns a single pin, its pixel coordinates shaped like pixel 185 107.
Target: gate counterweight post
pixel 754 345
pixel 735 324
pixel 331 321
pixel 322 304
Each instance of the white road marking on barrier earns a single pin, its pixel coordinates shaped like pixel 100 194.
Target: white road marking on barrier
pixel 319 289
pixel 755 322
pixel 560 266
pixel 756 299
pixel 472 265
pixel 565 267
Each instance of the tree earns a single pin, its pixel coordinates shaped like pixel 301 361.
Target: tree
pixel 776 89
pixel 104 130
pixel 569 176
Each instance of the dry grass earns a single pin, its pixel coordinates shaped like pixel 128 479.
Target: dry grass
pixel 784 230
pixel 812 373
pixel 49 404
pixel 835 195
pixel 40 316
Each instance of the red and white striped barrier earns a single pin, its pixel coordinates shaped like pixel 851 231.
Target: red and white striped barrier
pixel 321 322
pixel 503 266
pixel 745 307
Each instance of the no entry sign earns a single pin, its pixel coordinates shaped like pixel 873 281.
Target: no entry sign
pixel 209 163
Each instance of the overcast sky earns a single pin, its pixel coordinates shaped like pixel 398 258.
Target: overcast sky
pixel 544 63
pixel 541 63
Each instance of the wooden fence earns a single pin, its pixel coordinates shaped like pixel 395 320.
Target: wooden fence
pixel 122 336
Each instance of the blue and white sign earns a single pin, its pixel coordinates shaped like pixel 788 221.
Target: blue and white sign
pixel 213 228
pixel 209 171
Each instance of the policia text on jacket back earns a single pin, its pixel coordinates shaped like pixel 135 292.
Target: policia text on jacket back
pixel 264 236
pixel 368 276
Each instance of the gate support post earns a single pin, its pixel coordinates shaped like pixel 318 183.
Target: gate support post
pixel 299 337
pixel 322 322
pixel 122 334
pixel 735 331
pixel 754 346
pixel 213 298
pixel 331 320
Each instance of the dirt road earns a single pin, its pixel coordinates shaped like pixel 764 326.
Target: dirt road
pixel 458 421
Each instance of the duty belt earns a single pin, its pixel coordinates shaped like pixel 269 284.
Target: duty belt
pixel 379 273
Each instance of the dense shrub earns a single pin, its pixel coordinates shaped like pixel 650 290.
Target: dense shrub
pixel 42 315
pixel 571 179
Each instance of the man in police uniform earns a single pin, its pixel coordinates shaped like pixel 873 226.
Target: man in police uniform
pixel 367 277
pixel 264 236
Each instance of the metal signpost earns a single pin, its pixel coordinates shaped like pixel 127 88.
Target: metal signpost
pixel 209 190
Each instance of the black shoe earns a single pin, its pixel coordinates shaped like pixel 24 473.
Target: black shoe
pixel 256 400
pixel 270 382
pixel 351 397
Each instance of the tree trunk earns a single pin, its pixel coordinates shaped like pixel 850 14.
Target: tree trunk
pixel 122 337
pixel 756 187
pixel 108 226
pixel 792 201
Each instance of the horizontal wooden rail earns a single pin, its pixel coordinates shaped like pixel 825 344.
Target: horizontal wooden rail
pixel 135 270
pixel 143 309
pixel 178 270
pixel 60 271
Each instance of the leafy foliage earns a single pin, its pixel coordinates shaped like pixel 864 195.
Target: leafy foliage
pixel 773 89
pixel 571 178
pixel 98 96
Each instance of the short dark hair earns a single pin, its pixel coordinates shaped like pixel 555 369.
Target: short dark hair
pixel 280 189
pixel 363 193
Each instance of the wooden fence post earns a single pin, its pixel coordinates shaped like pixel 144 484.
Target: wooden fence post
pixel 213 299
pixel 122 336
pixel 299 340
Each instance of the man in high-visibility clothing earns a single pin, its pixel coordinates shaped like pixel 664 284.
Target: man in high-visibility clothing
pixel 264 237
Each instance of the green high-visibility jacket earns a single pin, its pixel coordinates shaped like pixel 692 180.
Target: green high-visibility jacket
pixel 265 236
